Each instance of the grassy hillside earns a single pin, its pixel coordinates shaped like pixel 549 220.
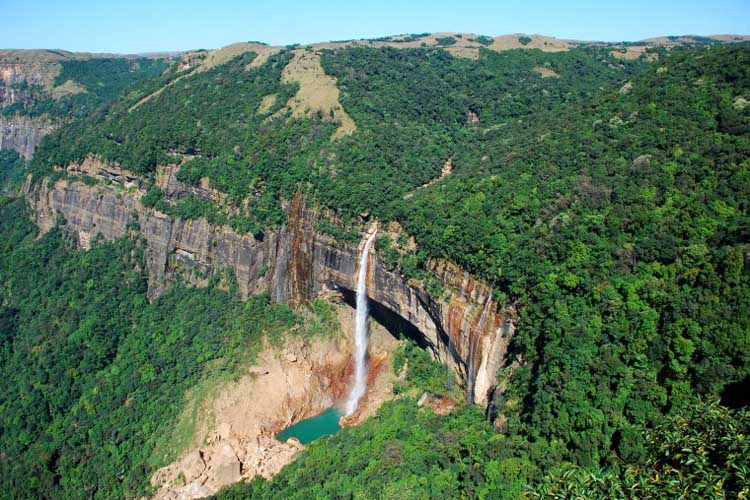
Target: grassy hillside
pixel 410 107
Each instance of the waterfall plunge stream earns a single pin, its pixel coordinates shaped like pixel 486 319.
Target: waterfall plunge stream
pixel 360 334
pixel 473 339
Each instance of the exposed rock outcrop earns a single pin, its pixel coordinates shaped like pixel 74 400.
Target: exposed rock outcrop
pixel 442 405
pixel 109 174
pixel 293 263
pixel 23 133
pixel 20 73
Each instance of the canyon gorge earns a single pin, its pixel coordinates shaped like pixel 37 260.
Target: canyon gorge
pixel 443 265
pixel 463 327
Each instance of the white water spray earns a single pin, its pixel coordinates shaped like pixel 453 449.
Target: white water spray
pixel 473 347
pixel 360 334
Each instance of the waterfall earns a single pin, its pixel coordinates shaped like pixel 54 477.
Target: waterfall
pixel 473 339
pixel 360 334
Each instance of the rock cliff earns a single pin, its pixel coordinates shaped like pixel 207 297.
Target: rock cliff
pixel 22 75
pixel 463 327
pixel 23 133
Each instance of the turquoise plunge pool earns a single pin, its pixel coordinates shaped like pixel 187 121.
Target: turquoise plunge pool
pixel 310 429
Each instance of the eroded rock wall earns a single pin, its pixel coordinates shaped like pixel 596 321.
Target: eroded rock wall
pixel 23 133
pixel 293 264
pixel 18 76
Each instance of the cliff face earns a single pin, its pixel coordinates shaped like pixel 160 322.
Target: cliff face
pixel 18 75
pixel 463 328
pixel 23 133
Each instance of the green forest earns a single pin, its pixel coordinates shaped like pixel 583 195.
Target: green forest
pixel 11 172
pixel 609 204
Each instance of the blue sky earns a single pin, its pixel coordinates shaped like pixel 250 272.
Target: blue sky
pixel 152 25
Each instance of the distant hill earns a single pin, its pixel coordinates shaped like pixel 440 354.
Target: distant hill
pixel 40 89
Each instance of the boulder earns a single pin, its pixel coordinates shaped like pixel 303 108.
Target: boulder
pixel 642 160
pixel 193 491
pixel 192 465
pixel 225 467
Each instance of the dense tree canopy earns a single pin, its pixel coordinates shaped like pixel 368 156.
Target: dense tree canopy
pixel 11 172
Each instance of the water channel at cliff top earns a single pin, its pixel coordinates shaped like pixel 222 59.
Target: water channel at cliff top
pixel 312 428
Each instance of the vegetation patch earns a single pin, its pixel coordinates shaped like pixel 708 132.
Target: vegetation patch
pixel 68 88
pixel 466 52
pixel 484 40
pixel 445 41
pixel 11 172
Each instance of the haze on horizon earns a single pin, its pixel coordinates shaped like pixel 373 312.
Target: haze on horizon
pixel 141 26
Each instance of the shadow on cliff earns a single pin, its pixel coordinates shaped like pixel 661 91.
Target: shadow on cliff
pixel 396 325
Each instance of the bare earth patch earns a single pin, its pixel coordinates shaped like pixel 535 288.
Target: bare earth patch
pixel 545 72
pixel 465 44
pixel 68 88
pixel 629 53
pixel 317 91
pixel 465 52
pixel 731 38
pixel 266 103
pixel 220 56
pixel 445 172
pixel 264 53
pixel 541 42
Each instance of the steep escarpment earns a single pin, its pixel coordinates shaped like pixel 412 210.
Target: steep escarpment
pixel 23 133
pixel 20 75
pixel 463 327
